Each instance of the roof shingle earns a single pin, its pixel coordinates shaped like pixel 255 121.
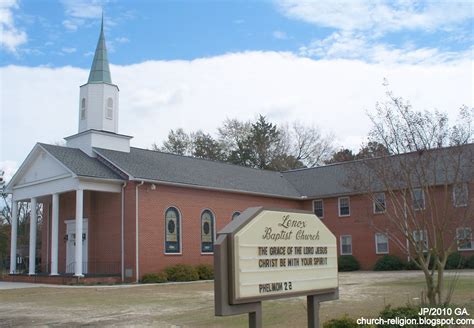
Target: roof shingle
pixel 79 162
pixel 166 167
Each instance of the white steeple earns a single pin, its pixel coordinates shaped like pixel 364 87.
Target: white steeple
pixel 99 97
pixel 99 108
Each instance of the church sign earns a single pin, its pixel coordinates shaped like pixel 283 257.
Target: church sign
pixel 273 253
pixel 282 254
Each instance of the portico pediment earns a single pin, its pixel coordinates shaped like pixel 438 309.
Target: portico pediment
pixel 52 169
pixel 39 167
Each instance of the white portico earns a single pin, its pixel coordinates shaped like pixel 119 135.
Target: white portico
pixel 43 177
pixel 51 171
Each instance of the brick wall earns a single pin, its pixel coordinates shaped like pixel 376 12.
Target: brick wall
pixel 190 203
pixel 104 213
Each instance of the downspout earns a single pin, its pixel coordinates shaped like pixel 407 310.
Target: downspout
pixel 137 272
pixel 122 233
pixel 48 264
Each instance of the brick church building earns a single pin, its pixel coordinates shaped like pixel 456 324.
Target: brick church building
pixel 109 208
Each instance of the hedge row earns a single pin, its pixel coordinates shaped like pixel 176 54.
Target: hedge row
pixel 392 262
pixel 180 272
pixel 184 272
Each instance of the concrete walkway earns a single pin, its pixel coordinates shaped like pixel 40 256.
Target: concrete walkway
pixel 15 285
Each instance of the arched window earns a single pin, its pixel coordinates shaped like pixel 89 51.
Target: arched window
pixel 109 111
pixel 173 231
pixel 83 108
pixel 207 232
pixel 235 215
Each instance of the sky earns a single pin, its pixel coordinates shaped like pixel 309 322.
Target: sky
pixel 192 64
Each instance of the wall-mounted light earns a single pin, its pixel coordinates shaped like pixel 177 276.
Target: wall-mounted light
pixel 153 186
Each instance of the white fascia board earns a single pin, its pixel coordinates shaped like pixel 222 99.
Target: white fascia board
pixel 46 188
pixel 65 184
pixel 41 181
pixel 114 186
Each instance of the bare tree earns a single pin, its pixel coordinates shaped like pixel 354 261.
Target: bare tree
pixel 422 186
pixel 24 211
pixel 178 142
pixel 259 144
pixel 308 145
pixel 232 133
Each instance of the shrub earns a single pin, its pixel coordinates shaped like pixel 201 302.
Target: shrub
pixel 150 278
pixel 181 272
pixel 410 265
pixel 347 263
pixel 408 312
pixel 470 262
pixel 455 261
pixel 389 263
pixel 344 322
pixel 205 271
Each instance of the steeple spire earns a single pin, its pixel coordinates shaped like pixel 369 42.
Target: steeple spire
pixel 100 71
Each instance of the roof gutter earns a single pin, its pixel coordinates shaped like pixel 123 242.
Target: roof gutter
pixel 137 271
pixel 185 185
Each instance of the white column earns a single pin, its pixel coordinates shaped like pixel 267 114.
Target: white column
pixel 79 215
pixel 33 220
pixel 54 235
pixel 14 234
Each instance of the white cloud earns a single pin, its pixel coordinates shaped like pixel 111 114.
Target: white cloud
pixel 350 45
pixel 360 25
pixel 79 11
pixel 379 16
pixel 68 50
pixel 156 96
pixel 122 40
pixel 280 35
pixel 83 8
pixel 11 37
pixel 72 24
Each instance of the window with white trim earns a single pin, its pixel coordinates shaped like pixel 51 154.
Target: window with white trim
pixel 379 203
pixel 83 108
pixel 318 208
pixel 464 237
pixel 344 206
pixel 172 231
pixel 207 232
pixel 346 245
pixel 109 110
pixel 381 243
pixel 460 195
pixel 421 239
pixel 418 199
